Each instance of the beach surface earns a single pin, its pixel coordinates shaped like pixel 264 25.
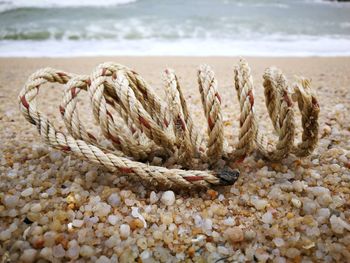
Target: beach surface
pixel 56 207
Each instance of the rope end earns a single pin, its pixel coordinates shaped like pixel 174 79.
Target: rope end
pixel 227 176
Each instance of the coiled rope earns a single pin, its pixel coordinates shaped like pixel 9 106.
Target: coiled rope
pixel 141 126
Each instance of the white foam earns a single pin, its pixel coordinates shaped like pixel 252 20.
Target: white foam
pixel 14 4
pixel 307 46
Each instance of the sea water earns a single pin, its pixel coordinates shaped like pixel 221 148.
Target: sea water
pixel 174 27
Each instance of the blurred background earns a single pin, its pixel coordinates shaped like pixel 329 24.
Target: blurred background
pixel 174 27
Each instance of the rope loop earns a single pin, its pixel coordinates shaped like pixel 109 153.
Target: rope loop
pixel 141 126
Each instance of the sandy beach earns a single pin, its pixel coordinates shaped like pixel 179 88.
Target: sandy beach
pixel 55 207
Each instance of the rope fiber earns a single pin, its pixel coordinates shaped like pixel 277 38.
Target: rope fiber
pixel 141 126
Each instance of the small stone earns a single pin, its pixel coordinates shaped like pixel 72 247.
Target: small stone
pixel 73 249
pixel 27 192
pixel 114 200
pixel 292 252
pixel 234 234
pixel 58 251
pixel 124 231
pixel 11 201
pixel 28 255
pixel 145 255
pixel 168 198
pixel 112 219
pixel 103 259
pixel 101 209
pixel 267 218
pixel 36 208
pixel 86 251
pixel 249 235
pixel 5 235
pixel 77 223
pixel 259 204
pixel 338 225
pixel 153 198
pixel 223 250
pixel 296 202
pixel 309 206
pixel 166 218
pixel 142 243
pixel 46 253
pixel 323 214
pixel 158 235
pixel 279 242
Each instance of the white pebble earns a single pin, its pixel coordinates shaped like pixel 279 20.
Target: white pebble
pixel 28 255
pixel 112 219
pixel 338 225
pixel 5 235
pixel 296 202
pixel 168 198
pixel 114 200
pixel 86 251
pixel 267 218
pixel 145 254
pixel 309 206
pixel 153 198
pixel 223 250
pixel 73 249
pixel 124 231
pixel 278 241
pixel 77 223
pixel 101 209
pixel 58 251
pixel 260 204
pixel 46 253
pixel 27 192
pixel 11 201
pixel 103 259
pixel 36 208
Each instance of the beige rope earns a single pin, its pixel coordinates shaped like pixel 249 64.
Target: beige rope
pixel 141 126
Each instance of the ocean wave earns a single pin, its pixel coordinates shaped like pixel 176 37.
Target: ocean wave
pixel 272 47
pixel 16 4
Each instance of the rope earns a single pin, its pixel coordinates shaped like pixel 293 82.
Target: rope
pixel 141 126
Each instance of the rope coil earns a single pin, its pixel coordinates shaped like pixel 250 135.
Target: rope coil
pixel 142 126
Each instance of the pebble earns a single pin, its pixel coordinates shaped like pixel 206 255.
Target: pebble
pixel 73 249
pixel 46 253
pixel 36 208
pixel 267 218
pixel 338 225
pixel 27 192
pixel 124 231
pixel 168 198
pixel 11 201
pixel 112 219
pixel 77 223
pixel 5 235
pixel 309 206
pixel 234 234
pixel 279 242
pixel 153 198
pixel 292 252
pixel 28 255
pixel 103 259
pixel 86 251
pixel 296 202
pixel 114 200
pixel 58 251
pixel 259 204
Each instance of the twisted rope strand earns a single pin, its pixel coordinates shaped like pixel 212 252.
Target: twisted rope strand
pixel 141 126
pixel 211 101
